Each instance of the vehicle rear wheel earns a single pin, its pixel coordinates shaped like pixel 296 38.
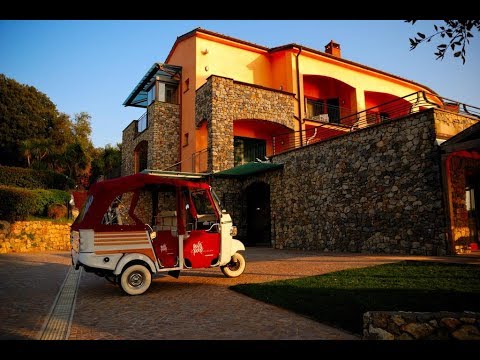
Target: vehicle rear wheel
pixel 135 279
pixel 235 267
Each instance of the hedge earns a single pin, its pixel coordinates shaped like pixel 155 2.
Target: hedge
pixel 34 179
pixel 17 203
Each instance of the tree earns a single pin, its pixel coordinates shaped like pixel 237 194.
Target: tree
pixel 36 149
pixel 75 160
pixel 106 162
pixel 35 134
pixel 458 32
pixel 25 113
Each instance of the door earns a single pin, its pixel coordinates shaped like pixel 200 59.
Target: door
pixel 333 108
pixel 472 201
pixel 258 214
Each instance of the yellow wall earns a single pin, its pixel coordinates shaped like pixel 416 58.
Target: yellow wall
pixel 251 65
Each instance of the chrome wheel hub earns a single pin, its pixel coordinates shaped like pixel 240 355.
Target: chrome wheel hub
pixel 135 279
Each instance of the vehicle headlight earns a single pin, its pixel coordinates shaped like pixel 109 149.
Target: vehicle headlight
pixel 233 231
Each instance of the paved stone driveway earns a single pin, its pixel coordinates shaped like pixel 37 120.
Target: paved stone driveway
pixel 198 305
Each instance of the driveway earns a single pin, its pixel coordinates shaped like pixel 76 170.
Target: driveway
pixel 197 305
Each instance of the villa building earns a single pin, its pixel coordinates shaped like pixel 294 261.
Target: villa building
pixel 310 150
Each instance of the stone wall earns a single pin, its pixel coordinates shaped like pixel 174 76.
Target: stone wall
pixel 400 325
pixel 30 236
pixel 220 101
pixel 374 190
pixel 162 136
pixel 231 196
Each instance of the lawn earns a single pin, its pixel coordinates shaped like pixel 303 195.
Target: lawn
pixel 341 298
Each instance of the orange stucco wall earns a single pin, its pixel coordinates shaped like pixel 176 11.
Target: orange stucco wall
pixel 203 55
pixel 358 78
pixel 184 55
pixel 201 136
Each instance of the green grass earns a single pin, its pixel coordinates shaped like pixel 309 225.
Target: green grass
pixel 341 298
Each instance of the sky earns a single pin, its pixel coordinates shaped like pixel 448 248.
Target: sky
pixel 93 65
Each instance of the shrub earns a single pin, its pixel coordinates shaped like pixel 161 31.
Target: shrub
pixel 44 198
pixel 34 179
pixel 15 203
pixel 56 211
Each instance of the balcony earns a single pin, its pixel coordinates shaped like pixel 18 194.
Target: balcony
pixel 142 123
pixel 385 112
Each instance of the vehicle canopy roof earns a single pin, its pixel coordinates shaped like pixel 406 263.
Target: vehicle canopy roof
pixel 104 192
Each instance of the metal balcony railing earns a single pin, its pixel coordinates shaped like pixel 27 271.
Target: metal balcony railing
pixel 200 161
pixel 323 112
pixel 387 111
pixel 142 122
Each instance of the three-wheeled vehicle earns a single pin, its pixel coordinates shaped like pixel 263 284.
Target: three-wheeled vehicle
pixel 153 222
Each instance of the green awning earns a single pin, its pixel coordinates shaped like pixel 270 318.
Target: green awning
pixel 247 169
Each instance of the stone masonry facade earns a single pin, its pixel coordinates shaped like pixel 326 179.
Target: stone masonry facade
pixel 375 190
pixel 162 136
pixel 221 100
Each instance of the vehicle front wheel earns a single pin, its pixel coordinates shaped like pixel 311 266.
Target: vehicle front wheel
pixel 135 279
pixel 235 267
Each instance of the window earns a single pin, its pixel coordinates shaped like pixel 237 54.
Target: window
pixel 186 85
pixel 117 213
pixel 185 139
pixel 141 156
pixel 202 202
pixel 323 110
pixel 170 94
pixel 314 108
pixel 151 94
pixel 248 150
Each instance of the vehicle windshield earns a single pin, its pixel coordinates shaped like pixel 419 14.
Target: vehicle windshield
pixel 216 200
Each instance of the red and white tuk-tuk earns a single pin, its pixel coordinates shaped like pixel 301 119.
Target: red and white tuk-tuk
pixel 153 222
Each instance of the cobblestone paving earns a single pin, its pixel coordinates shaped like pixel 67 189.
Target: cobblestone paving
pixel 29 284
pixel 198 305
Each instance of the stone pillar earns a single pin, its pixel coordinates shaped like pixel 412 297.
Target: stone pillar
pixel 220 128
pixel 164 118
pixel 128 146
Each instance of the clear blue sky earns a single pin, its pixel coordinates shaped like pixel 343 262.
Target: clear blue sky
pixel 93 65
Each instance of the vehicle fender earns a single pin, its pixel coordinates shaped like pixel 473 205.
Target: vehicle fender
pixel 237 245
pixel 130 257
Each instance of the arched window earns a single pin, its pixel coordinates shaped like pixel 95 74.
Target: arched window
pixel 141 156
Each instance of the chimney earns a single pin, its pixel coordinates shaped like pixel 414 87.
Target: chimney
pixel 333 48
